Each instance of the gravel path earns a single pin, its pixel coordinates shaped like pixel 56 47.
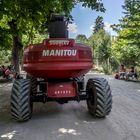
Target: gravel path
pixel 52 121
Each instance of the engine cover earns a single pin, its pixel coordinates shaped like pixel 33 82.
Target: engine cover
pixel 57 58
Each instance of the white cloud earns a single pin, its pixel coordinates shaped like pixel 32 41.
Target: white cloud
pixel 91 27
pixel 82 8
pixel 72 28
pixel 107 27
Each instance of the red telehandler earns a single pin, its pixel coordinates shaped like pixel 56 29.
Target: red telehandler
pixel 55 72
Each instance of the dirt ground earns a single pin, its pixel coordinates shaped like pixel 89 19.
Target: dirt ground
pixel 52 121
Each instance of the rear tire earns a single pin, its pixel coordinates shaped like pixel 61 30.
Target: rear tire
pixel 21 104
pixel 99 100
pixel 33 83
pixel 80 81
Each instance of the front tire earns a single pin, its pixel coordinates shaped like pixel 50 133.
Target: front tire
pixel 99 100
pixel 21 104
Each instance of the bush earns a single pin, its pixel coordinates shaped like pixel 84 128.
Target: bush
pixel 107 69
pixel 138 71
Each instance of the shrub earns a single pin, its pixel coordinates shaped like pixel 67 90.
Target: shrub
pixel 107 69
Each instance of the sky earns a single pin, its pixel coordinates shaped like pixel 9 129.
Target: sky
pixel 84 18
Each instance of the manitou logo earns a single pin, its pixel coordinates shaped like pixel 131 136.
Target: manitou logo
pixel 59 52
pixel 59 42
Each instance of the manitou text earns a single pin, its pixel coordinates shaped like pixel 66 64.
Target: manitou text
pixel 59 52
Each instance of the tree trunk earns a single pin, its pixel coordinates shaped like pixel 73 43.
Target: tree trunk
pixel 15 53
pixel 17 46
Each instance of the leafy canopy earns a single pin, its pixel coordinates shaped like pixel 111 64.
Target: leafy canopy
pixel 127 46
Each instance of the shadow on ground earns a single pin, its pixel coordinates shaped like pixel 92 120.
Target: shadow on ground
pixel 2 81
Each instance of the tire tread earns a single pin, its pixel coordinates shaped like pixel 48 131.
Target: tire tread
pixel 102 94
pixel 20 100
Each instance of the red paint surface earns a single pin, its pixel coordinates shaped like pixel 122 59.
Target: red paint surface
pixel 57 66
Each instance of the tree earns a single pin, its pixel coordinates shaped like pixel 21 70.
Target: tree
pixel 131 21
pixel 126 53
pixel 101 42
pixel 127 46
pixel 18 18
pixel 99 24
pixel 81 38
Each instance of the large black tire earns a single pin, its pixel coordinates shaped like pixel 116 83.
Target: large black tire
pixel 21 104
pixel 99 100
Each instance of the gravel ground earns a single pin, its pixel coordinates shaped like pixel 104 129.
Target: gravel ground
pixel 52 121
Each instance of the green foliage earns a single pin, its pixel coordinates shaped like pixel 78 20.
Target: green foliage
pixel 107 69
pixel 81 38
pixel 114 63
pixel 35 38
pixel 126 53
pixel 105 54
pixel 5 37
pixel 33 15
pixel 127 46
pixel 93 4
pixel 5 56
pixel 130 23
pixel 101 43
pixel 25 21
pixel 99 24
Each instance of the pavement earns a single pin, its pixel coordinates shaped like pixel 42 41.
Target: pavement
pixel 52 121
